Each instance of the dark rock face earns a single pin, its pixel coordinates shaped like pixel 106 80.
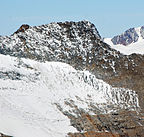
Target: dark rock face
pixel 128 37
pixel 121 124
pixel 142 32
pixel 3 135
pixel 79 44
pixel 22 28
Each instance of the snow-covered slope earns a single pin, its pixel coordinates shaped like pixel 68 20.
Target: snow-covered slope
pixel 38 99
pixel 131 41
pixel 137 47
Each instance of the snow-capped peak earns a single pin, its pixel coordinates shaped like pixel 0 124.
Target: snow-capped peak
pixel 129 42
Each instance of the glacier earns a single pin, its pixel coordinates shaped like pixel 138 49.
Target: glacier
pixel 37 98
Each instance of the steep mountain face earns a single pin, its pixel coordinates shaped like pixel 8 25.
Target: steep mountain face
pixel 126 38
pixel 142 32
pixel 131 35
pixel 92 106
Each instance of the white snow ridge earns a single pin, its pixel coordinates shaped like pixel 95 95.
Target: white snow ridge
pixel 32 93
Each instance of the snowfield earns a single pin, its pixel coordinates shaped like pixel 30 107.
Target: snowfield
pixel 35 96
pixel 137 47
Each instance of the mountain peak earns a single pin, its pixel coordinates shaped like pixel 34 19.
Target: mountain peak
pixel 130 36
pixel 59 40
pixel 83 25
pixel 129 42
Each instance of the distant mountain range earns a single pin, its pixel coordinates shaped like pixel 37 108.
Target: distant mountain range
pixel 62 79
pixel 131 35
pixel 132 39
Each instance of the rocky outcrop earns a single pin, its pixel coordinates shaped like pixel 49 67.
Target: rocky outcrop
pixel 120 124
pixel 23 28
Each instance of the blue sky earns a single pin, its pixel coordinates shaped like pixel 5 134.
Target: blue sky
pixel 110 17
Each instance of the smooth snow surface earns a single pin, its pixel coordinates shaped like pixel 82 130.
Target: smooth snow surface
pixel 32 93
pixel 137 47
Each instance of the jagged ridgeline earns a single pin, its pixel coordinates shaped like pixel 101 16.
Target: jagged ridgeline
pixel 129 36
pixel 55 41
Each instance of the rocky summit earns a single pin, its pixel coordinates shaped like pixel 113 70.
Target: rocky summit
pixel 63 71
